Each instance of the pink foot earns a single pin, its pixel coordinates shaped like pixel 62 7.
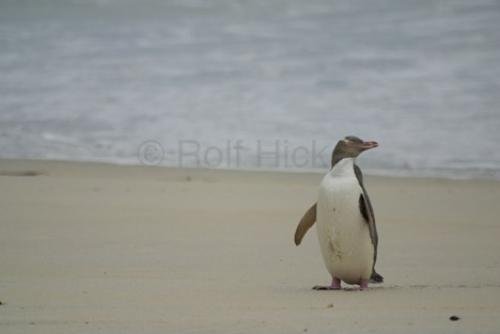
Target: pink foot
pixel 363 284
pixel 336 285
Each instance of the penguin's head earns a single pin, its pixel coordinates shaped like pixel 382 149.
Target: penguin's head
pixel 351 147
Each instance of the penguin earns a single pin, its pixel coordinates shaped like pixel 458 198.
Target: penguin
pixel 346 228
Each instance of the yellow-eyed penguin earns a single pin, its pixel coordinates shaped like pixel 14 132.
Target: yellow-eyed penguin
pixel 346 224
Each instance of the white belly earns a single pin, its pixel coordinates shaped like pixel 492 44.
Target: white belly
pixel 343 233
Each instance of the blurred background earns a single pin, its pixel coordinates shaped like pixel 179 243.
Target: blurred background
pixel 96 80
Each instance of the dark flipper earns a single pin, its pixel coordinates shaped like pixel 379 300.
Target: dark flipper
pixel 375 277
pixel 305 224
pixel 362 209
pixel 366 209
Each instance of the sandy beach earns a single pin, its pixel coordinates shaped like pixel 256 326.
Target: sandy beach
pixel 96 248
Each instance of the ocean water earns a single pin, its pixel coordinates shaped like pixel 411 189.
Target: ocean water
pixel 253 84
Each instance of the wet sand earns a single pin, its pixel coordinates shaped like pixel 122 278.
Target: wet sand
pixel 96 248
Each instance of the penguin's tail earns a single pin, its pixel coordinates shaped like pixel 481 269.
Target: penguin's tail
pixel 376 278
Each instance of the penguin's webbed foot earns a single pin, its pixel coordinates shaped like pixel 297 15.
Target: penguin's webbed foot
pixel 363 284
pixel 325 287
pixel 336 285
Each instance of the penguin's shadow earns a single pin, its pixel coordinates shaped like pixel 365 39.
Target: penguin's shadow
pixel 412 287
pixel 357 289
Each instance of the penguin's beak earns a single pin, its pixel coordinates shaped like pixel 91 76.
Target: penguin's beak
pixel 368 145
